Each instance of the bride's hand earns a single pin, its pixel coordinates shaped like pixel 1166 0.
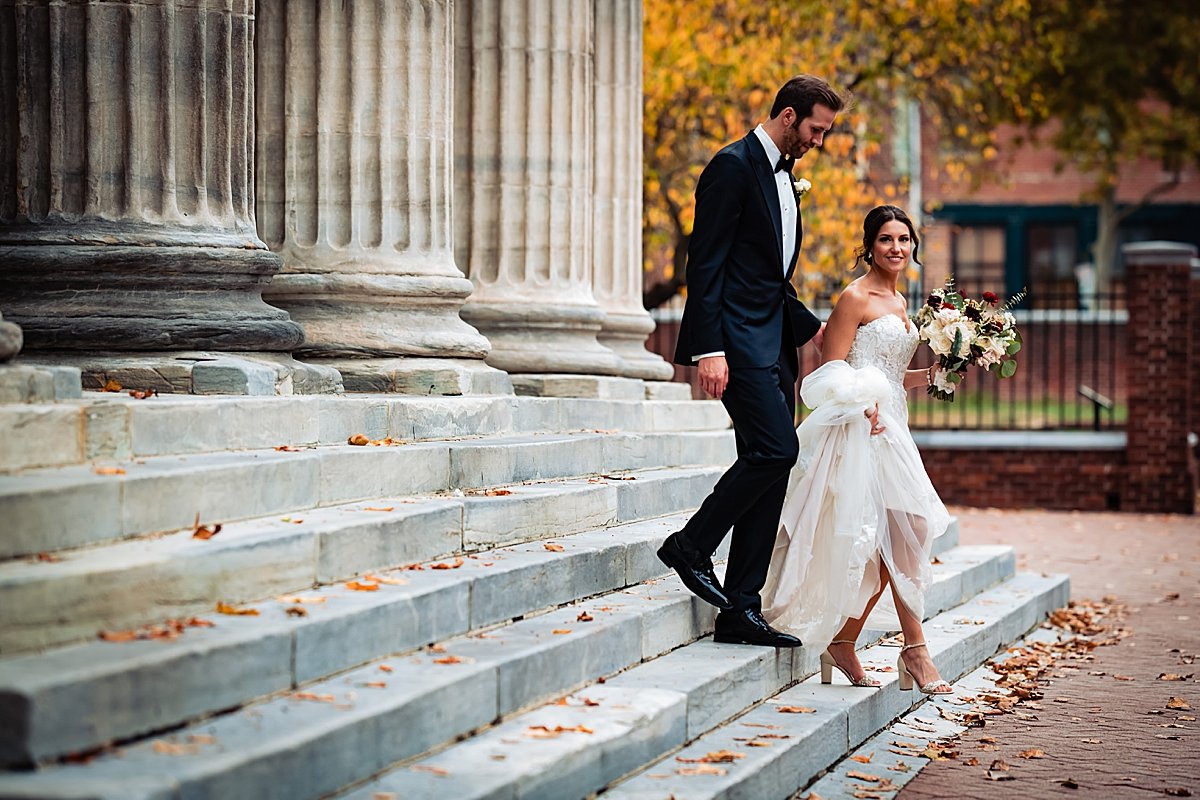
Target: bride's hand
pixel 873 415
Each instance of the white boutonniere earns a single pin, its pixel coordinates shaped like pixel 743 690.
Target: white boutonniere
pixel 801 187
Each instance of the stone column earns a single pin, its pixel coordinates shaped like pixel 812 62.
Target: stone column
pixel 126 205
pixel 617 197
pixel 524 100
pixel 10 340
pixel 355 105
pixel 1158 283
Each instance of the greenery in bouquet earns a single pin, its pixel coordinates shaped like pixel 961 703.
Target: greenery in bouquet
pixel 964 332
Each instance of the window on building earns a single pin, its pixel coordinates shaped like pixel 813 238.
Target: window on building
pixel 977 258
pixel 1056 278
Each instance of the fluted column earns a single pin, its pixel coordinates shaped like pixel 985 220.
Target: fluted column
pixel 617 209
pixel 524 99
pixel 355 150
pixel 126 204
pixel 11 340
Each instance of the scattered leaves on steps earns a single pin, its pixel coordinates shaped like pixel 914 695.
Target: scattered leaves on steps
pixel 234 611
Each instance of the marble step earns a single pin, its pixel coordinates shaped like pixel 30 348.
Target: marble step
pixel 635 725
pixel 116 426
pixel 802 745
pixel 84 696
pixel 59 508
pixel 139 581
pixel 423 703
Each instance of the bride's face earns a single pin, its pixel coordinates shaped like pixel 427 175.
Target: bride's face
pixel 893 246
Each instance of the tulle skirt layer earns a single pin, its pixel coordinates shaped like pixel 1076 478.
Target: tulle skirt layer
pixel 855 502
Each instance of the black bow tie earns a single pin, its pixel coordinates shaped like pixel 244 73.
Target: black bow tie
pixel 785 164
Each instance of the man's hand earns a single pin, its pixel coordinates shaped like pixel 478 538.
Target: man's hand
pixel 714 375
pixel 819 338
pixel 873 415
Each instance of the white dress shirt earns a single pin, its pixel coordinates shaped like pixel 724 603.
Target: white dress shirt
pixel 787 209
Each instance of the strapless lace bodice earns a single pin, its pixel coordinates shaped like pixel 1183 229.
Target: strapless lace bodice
pixel 886 343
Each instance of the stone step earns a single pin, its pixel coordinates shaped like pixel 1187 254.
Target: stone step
pixel 59 508
pixel 140 581
pixel 802 745
pixel 82 697
pixel 116 426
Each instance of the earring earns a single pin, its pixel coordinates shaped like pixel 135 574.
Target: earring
pixel 867 258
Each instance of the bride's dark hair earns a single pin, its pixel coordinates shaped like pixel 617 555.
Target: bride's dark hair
pixel 875 219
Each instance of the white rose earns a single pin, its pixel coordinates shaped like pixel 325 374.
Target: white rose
pixel 802 186
pixel 940 381
pixel 942 342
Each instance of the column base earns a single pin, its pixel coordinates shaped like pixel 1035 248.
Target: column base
pixel 530 338
pixel 256 374
pixel 34 383
pixel 420 376
pixel 590 387
pixel 668 390
pixel 625 335
pixel 11 340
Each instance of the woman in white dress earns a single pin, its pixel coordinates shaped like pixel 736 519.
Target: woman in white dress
pixel 861 514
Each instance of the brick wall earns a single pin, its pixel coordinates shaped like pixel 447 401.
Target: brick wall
pixel 1087 480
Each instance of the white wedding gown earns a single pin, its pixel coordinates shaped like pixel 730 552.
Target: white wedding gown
pixel 854 500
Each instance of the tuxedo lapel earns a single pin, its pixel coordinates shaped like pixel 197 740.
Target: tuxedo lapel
pixel 770 190
pixel 799 241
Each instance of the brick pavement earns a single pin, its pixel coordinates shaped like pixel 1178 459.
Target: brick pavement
pixel 1107 735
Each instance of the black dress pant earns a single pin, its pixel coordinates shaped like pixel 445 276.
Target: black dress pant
pixel 749 496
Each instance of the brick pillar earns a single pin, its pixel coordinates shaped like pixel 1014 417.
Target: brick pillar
pixel 1194 371
pixel 1159 286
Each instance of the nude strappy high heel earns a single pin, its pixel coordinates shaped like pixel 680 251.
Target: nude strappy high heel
pixel 828 665
pixel 906 678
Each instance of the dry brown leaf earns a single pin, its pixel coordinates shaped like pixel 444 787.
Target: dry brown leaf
pixel 448 660
pixel 47 558
pixel 971 762
pixel 584 617
pixel 702 769
pixel 363 587
pixel 862 776
pixel 795 710
pixel 111 385
pixel 546 732
pixel 287 448
pixel 1068 783
pixel 715 757
pixel 174 749
pixel 202 531
pixel 313 696
pixel 560 631
pixel 458 562
pixel 1122 677
pixel 1171 676
pixel 498 492
pixel 384 796
pixel 862 759
pixel 292 598
pixel 234 611
pixel 141 394
pixel 1032 753
pixel 108 471
pixel 430 769
pixel 1179 704
pixel 386 668
pixel 359 440
pixel 553 547
pixel 376 684
pixel 118 636
pixel 296 611
pixel 380 508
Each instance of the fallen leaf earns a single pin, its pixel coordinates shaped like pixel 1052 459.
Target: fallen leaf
pixel 292 598
pixel 203 532
pixel 287 448
pixel 296 611
pixel 358 440
pixel 971 762
pixel 386 668
pixel 384 796
pixel 1122 677
pixel 863 759
pixel 584 617
pixel 1032 753
pixel 546 732
pixel 702 769
pixel 111 386
pixel 1091 741
pixel 1068 783
pixel 47 558
pixel 862 776
pixel 458 562
pixel 430 769
pixel 1179 704
pixel 234 611
pixel 795 710
pixel 1171 676
pixel 109 471
pixel 380 508
pixel 118 636
pixel 376 684
pixel 363 587
pixel 141 394
pixel 553 548
pixel 313 696
pixel 1177 791
pixel 560 631
pixel 715 757
pixel 173 749
pixel 448 660
pixel 498 492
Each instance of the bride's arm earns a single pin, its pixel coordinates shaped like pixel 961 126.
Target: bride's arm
pixel 842 325
pixel 914 378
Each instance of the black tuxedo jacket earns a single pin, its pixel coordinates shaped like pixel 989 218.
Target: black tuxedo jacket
pixel 739 298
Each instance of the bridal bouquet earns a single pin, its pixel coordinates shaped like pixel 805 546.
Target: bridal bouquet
pixel 964 332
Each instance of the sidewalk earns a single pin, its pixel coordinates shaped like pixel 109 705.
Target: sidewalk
pixel 1113 736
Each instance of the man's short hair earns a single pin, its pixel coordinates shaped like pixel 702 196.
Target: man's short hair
pixel 803 92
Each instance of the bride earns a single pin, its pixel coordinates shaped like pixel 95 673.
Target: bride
pixel 861 514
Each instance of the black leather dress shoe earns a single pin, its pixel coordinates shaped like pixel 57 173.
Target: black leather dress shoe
pixel 749 627
pixel 696 573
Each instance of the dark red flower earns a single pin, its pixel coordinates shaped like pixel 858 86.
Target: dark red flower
pixel 989 297
pixel 947 305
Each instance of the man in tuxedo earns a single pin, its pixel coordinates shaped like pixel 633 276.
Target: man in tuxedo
pixel 741 326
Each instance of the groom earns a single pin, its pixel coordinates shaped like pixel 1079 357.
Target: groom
pixel 741 326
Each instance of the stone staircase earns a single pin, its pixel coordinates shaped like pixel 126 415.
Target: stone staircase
pixel 521 638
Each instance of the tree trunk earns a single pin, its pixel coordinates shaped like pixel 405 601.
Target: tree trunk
pixel 1105 249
